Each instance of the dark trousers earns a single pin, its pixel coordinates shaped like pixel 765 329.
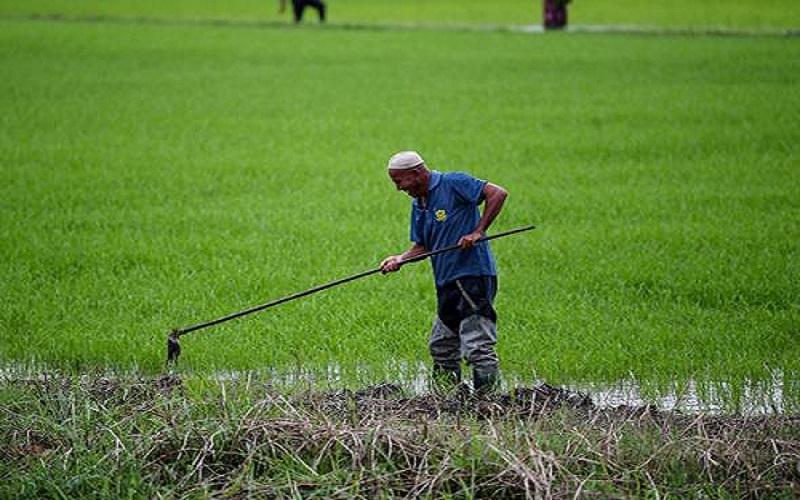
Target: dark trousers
pixel 300 5
pixel 465 329
pixel 464 297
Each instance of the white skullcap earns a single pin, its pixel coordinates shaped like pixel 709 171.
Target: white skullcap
pixel 405 160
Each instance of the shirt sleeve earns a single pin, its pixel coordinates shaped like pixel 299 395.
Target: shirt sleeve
pixel 468 189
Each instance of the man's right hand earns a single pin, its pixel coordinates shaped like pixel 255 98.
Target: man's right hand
pixel 391 264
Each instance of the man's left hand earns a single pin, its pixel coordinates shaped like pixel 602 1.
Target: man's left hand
pixel 468 241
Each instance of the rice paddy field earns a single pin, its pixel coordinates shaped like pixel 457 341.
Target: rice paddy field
pixel 159 171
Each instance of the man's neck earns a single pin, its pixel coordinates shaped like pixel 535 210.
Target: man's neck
pixel 426 181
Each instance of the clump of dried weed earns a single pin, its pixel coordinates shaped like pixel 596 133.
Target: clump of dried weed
pixel 96 436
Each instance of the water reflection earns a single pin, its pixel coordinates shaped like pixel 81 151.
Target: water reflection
pixel 776 395
pixel 747 398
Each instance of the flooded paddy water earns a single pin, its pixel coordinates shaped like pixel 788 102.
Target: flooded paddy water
pixel 778 395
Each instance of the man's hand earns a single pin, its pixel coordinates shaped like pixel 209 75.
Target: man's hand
pixel 391 264
pixel 468 241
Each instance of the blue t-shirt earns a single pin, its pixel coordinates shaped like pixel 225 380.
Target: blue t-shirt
pixel 452 212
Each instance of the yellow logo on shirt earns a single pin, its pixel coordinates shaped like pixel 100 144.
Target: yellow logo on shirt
pixel 441 215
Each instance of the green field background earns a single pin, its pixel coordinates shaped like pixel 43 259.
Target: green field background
pixel 156 176
pixel 665 13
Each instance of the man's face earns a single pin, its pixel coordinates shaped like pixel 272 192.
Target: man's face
pixel 409 181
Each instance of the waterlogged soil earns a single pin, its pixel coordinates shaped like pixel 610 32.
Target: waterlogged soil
pixel 384 402
pixel 388 401
pixel 379 401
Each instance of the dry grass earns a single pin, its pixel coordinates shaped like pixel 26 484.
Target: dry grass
pixel 97 437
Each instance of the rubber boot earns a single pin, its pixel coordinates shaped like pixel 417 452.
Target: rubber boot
pixel 485 382
pixel 445 379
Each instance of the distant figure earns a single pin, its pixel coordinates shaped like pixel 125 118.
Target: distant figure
pixel 298 6
pixel 555 14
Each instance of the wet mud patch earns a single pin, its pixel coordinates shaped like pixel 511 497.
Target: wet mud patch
pixel 390 401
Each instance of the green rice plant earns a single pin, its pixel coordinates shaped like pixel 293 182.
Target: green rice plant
pixel 156 176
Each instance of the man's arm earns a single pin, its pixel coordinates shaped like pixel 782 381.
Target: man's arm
pixel 494 197
pixel 393 262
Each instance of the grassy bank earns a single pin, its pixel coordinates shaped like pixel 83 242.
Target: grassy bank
pixel 96 437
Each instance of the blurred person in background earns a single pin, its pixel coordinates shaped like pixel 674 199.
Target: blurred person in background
pixel 298 6
pixel 555 14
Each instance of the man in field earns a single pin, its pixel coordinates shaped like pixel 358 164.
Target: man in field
pixel 444 212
